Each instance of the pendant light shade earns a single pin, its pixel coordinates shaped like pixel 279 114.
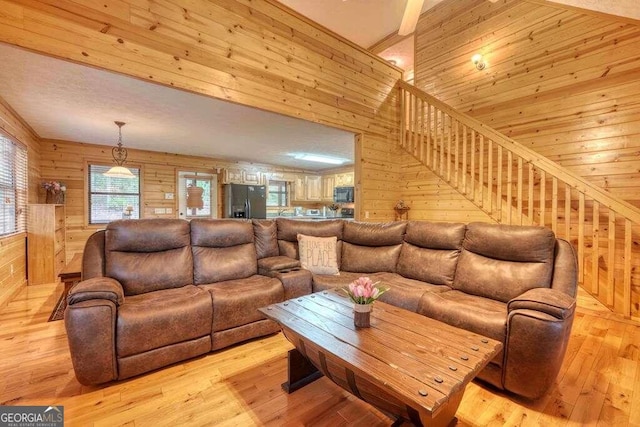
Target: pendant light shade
pixel 119 154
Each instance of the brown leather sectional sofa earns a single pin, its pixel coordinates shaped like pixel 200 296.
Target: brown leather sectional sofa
pixel 156 291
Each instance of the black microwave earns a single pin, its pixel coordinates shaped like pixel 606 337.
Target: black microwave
pixel 343 195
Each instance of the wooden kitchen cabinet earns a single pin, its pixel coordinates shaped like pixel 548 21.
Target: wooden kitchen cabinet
pixel 252 178
pixel 298 189
pixel 345 179
pixel 46 255
pixel 242 176
pixel 232 176
pixel 328 184
pixel 306 188
pixel 314 187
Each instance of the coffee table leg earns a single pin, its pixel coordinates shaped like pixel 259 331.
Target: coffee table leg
pixel 301 372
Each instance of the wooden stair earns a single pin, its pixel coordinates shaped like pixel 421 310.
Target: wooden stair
pixel 515 185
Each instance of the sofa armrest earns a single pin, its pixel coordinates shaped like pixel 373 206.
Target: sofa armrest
pixel 296 282
pixel 97 288
pixel 270 265
pixel 545 300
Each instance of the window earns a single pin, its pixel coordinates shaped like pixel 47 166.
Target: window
pixel 111 198
pixel 13 187
pixel 277 194
pixel 201 205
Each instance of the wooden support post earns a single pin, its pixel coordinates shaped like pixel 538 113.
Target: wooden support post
pixel 300 372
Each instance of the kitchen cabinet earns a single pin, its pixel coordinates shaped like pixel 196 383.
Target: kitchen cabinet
pixel 252 178
pixel 314 187
pixel 232 176
pixel 328 184
pixel 345 179
pixel 298 189
pixel 306 188
pixel 45 243
pixel 242 176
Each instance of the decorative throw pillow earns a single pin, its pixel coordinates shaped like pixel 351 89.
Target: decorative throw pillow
pixel 318 254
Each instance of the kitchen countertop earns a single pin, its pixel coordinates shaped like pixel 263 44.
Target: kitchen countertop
pixel 305 217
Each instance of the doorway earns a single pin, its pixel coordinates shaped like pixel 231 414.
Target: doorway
pixel 197 195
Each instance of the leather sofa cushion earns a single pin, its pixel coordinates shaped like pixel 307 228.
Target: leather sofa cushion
pixel 374 234
pixel 496 279
pixel 323 282
pixel 288 249
pixel 429 265
pixel 221 233
pixel 137 253
pixel 288 229
pixel 406 293
pixel 157 319
pixel 435 235
pixel 501 262
pixel 150 235
pixel 93 257
pixel 565 268
pixel 236 302
pixel 481 315
pixel 510 242
pixel 265 232
pixel 140 272
pixel 222 250
pixel 212 265
pixel 367 259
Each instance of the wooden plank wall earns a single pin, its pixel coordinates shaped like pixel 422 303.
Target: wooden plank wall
pixel 13 267
pixel 256 53
pixel 563 81
pixel 433 199
pixel 66 161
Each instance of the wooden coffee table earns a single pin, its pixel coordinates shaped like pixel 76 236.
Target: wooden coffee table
pixel 408 365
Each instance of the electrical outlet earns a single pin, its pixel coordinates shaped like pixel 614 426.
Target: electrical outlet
pixel 168 196
pixel 168 211
pixel 366 214
pixel 158 211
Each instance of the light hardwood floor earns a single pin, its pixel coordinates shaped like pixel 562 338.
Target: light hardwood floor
pixel 599 383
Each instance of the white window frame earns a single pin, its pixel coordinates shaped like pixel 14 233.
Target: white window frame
pixel 90 193
pixel 13 186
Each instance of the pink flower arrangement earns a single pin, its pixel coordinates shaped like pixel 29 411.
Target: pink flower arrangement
pixel 364 291
pixel 54 186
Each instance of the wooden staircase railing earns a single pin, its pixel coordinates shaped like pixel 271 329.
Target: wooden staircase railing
pixel 515 185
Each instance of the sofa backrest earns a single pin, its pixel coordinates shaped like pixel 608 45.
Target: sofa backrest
pixel 288 230
pixel 501 261
pixel 93 262
pixel 223 249
pixel 371 247
pixel 265 234
pixel 137 254
pixel 430 251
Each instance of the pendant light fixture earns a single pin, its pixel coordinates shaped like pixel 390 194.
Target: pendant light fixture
pixel 119 154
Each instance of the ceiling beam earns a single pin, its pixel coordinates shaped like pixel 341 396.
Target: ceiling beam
pixel 386 42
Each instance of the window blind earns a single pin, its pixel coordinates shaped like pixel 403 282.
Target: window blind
pixel 110 197
pixel 13 187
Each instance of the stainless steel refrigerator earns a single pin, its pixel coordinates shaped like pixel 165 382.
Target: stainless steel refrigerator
pixel 245 201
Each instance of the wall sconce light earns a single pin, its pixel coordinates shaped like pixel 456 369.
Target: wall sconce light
pixel 478 61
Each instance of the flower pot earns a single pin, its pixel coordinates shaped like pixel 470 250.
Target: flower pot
pixel 362 315
pixel 55 197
